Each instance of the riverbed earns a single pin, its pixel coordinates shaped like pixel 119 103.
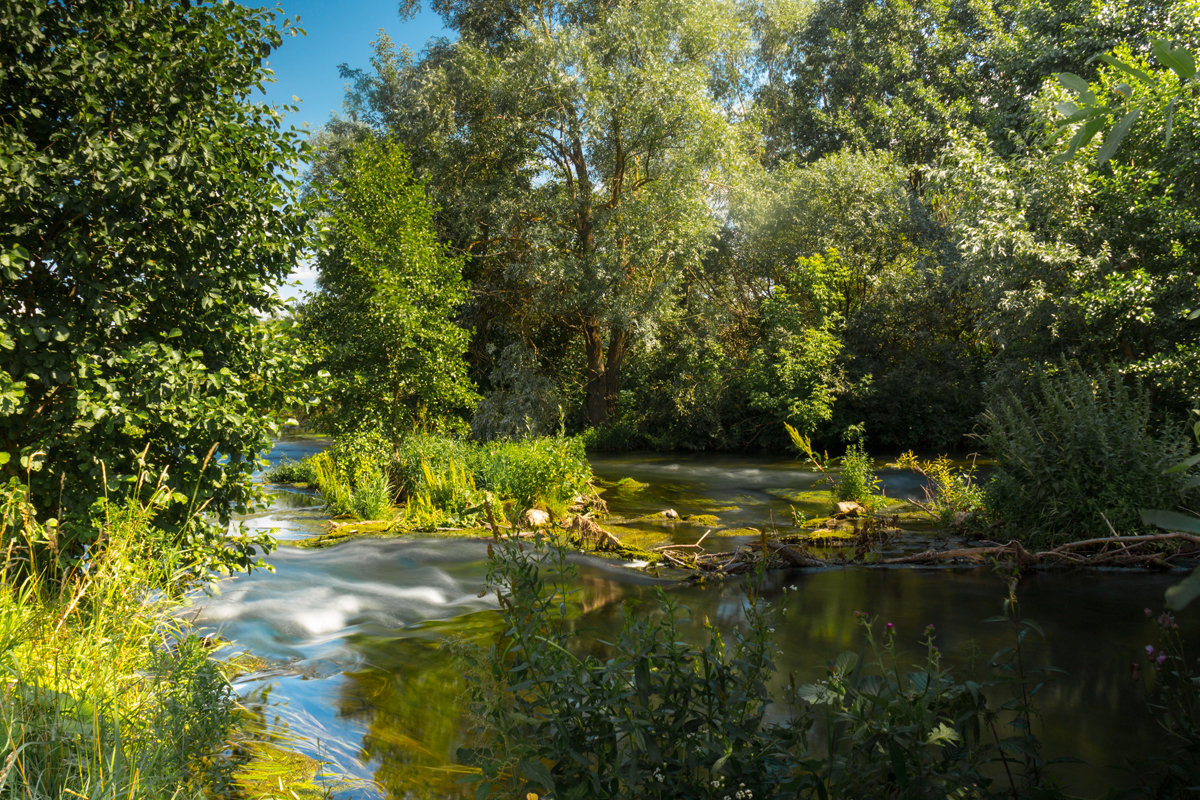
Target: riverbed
pixel 352 638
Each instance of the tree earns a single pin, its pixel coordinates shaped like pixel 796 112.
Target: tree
pixel 388 292
pixel 586 142
pixel 148 215
pixel 897 75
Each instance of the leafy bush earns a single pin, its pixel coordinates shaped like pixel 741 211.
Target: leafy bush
pixel 445 479
pixel 1079 454
pixel 891 733
pixel 352 476
pixel 856 479
pixel 658 717
pixel 547 471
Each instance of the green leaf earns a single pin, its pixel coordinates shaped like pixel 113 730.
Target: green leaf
pixel 1183 593
pixel 1179 60
pixel 1172 521
pixel 1129 70
pixel 1183 466
pixel 1073 82
pixel 536 771
pixel 1084 135
pixel 1116 136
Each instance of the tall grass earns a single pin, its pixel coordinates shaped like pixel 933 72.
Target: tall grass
pixel 103 694
pixel 445 481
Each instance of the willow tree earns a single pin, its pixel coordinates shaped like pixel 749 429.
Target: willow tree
pixel 575 146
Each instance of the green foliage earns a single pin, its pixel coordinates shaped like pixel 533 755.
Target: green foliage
pixel 860 75
pixel 657 716
pixel 1151 91
pixel 352 476
pixel 1173 699
pixel 447 496
pixel 1081 453
pixel 894 732
pixel 547 471
pixel 94 705
pixel 388 292
pixel 953 496
pixel 148 216
pixel 288 471
pixel 856 479
pixel 576 149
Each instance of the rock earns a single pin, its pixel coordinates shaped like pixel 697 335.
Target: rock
pixel 535 518
pixel 670 513
pixel 849 508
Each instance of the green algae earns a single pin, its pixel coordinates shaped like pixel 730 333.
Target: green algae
pixel 706 520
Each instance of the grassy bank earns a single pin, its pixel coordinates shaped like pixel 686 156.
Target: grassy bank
pixel 104 691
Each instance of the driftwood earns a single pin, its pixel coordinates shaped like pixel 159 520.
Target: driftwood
pixel 1124 551
pixel 1161 550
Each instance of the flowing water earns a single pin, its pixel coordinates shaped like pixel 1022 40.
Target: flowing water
pixel 351 638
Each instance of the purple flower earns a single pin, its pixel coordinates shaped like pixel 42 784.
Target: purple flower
pixel 1150 650
pixel 1162 657
pixel 1149 613
pixel 890 626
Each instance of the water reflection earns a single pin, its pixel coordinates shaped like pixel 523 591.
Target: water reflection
pixel 352 636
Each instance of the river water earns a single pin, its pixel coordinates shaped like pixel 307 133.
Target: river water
pixel 351 638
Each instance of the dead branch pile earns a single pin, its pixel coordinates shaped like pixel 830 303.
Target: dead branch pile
pixel 1160 550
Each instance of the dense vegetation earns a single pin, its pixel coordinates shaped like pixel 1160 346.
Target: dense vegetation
pixel 148 216
pixel 147 220
pixel 684 224
pixel 663 223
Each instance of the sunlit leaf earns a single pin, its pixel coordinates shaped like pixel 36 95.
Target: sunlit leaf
pixel 1117 135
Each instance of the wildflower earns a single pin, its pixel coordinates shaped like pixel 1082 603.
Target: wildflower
pixel 1150 651
pixel 1162 658
pixel 1148 613
pixel 890 626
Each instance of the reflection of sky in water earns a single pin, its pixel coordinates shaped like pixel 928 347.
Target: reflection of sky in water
pixel 352 635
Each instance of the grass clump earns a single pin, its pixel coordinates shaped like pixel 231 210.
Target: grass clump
pixel 288 471
pixel 352 477
pixel 1079 457
pixel 852 477
pixel 446 481
pixel 104 693
pixel 953 496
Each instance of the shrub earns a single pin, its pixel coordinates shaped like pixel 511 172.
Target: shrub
pixel 352 476
pixel 548 471
pixel 658 718
pixel 1079 455
pixel 655 716
pixel 445 479
pixel 856 479
pixel 953 496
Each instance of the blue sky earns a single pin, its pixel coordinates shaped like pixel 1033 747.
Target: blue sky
pixel 337 33
pixel 307 66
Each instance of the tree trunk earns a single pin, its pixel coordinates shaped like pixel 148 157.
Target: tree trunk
pixel 603 372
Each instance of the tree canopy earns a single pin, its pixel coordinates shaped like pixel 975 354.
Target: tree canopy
pixel 148 216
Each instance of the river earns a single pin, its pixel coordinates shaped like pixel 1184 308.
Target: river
pixel 351 637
